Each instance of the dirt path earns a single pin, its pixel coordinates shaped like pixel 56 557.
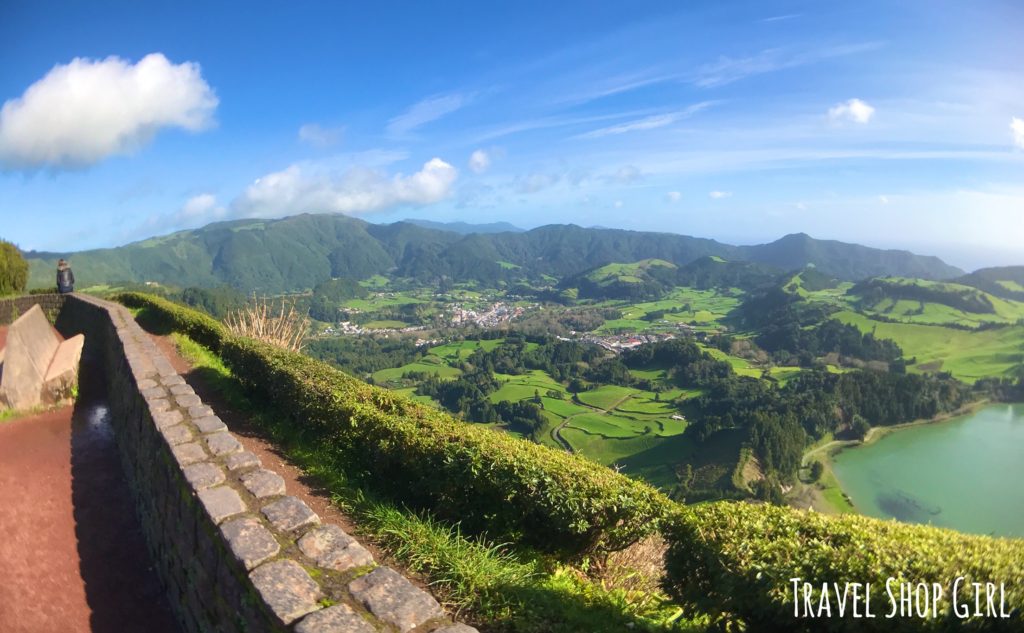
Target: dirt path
pixel 72 558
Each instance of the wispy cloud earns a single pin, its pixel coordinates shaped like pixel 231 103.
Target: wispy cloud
pixel 781 18
pixel 647 123
pixel 673 197
pixel 427 110
pixel 320 136
pixel 718 195
pixel 542 123
pixel 728 69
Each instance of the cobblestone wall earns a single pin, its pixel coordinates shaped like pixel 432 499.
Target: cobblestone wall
pixel 234 552
pixel 13 307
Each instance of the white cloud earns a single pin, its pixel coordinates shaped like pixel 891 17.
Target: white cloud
pixel 479 161
pixel 647 123
pixel 883 199
pixel 302 189
pixel 853 110
pixel 673 197
pixel 320 136
pixel 87 110
pixel 718 195
pixel 727 69
pixel 625 175
pixel 1017 126
pixel 536 181
pixel 618 204
pixel 425 111
pixel 202 205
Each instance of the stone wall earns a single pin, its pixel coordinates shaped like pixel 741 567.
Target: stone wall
pixel 233 551
pixel 13 307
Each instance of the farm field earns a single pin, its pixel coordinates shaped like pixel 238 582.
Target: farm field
pixel 968 355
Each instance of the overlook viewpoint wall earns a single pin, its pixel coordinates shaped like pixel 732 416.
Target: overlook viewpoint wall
pixel 233 551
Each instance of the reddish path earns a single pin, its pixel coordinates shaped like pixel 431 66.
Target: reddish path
pixel 72 558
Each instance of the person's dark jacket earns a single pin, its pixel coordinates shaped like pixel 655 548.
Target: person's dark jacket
pixel 65 280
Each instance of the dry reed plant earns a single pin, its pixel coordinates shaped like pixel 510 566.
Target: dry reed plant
pixel 276 322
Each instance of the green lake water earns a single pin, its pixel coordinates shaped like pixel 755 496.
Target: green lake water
pixel 966 474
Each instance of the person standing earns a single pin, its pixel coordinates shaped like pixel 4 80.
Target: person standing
pixel 65 278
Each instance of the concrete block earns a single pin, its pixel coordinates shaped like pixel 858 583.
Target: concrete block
pixel 187 400
pixel 238 461
pixel 337 619
pixel 289 514
pixel 31 345
pixel 263 483
pixel 287 589
pixel 221 502
pixel 395 600
pixel 203 475
pixel 250 541
pixel 332 548
pixel 62 375
pixel 189 453
pixel 177 434
pixel 209 423
pixel 199 411
pixel 223 444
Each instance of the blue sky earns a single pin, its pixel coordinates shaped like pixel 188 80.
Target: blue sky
pixel 888 124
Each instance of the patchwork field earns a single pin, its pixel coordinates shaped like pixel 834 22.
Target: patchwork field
pixel 967 354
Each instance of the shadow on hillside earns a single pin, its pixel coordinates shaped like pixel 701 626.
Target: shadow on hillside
pixel 121 587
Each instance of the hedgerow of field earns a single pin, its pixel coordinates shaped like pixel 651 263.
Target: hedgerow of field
pixel 968 355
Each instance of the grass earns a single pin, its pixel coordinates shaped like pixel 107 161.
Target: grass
pixel 384 376
pixel 968 355
pixel 604 425
pixel 606 396
pixel 488 583
pixel 386 324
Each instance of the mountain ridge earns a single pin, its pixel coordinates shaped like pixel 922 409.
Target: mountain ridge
pixel 299 252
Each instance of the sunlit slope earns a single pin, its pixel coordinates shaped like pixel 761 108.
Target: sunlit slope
pixel 967 354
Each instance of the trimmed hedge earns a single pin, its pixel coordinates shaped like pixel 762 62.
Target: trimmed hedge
pixel 736 560
pixel 199 327
pixel 489 481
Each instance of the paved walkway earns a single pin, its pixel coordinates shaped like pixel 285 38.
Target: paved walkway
pixel 72 558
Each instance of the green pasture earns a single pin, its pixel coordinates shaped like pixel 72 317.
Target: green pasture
pixel 968 355
pixel 606 396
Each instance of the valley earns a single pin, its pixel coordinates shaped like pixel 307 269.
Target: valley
pixel 706 377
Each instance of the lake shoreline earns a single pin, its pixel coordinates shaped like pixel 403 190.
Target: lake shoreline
pixel 816 498
pixel 916 477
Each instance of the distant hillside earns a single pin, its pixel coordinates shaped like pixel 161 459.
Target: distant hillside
pixel 302 251
pixel 465 228
pixel 851 262
pixel 1006 282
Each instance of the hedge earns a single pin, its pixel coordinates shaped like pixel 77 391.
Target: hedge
pixel 736 560
pixel 199 327
pixel 488 481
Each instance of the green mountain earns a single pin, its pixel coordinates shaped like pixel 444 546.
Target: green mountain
pixel 1006 282
pixel 851 262
pixel 302 251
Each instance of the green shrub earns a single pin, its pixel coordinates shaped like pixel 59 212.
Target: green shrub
pixel 13 269
pixel 736 560
pixel 194 324
pixel 489 481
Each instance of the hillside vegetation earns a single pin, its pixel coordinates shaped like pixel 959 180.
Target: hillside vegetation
pixel 726 562
pixel 299 252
